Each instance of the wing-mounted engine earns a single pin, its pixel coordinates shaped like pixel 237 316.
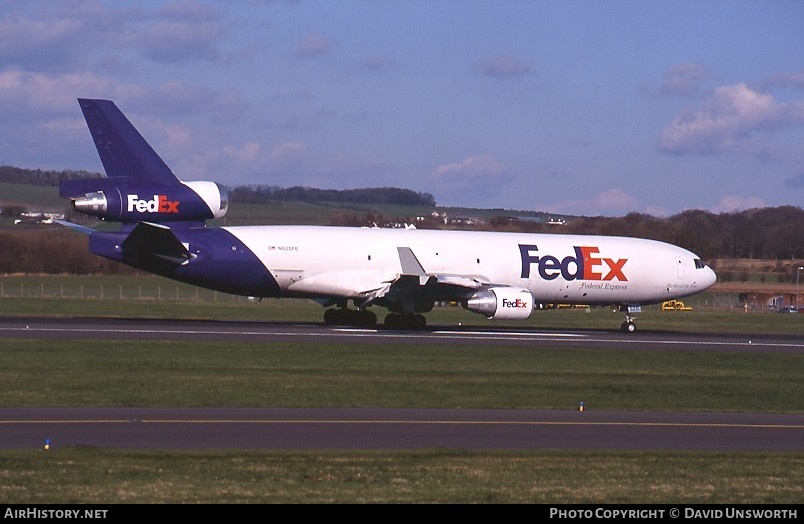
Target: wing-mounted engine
pixel 502 303
pixel 113 200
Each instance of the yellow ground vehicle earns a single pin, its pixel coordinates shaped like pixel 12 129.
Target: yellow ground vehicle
pixel 675 305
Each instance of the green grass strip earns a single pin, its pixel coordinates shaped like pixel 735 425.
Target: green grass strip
pixel 89 475
pixel 297 374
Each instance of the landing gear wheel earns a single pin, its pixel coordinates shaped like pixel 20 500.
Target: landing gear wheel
pixel 628 326
pixel 331 317
pixel 349 317
pixel 367 319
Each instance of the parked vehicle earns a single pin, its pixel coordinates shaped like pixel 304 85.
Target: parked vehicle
pixel 788 309
pixel 675 305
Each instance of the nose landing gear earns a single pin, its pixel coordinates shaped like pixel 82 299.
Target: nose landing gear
pixel 628 325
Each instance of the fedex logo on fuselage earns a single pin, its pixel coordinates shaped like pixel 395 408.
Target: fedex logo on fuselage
pixel 585 265
pixel 159 204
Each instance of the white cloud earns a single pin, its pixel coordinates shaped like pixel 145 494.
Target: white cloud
pixel 794 80
pixel 176 39
pixel 248 159
pixel 731 203
pixel 728 119
pixel 26 91
pixel 471 167
pixel 248 152
pixel 287 150
pixel 73 35
pixel 476 179
pixel 612 202
pixel 683 79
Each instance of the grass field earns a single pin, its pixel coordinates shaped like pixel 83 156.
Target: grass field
pixel 122 373
pixel 306 374
pixel 439 476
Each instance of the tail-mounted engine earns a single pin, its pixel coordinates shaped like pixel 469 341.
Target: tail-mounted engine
pixel 108 199
pixel 502 303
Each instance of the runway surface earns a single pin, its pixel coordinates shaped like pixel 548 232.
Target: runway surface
pixel 269 428
pixel 149 329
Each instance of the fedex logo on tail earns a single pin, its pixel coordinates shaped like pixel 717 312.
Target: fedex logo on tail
pixel 585 265
pixel 159 204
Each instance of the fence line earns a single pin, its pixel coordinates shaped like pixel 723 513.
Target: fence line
pixel 188 293
pixel 119 292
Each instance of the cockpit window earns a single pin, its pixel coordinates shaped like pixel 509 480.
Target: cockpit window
pixel 699 264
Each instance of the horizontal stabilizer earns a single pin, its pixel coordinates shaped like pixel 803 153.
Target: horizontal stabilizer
pixel 76 227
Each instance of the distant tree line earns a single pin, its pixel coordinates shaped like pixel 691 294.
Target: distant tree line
pixel 372 195
pixel 38 177
pixel 773 233
pixel 52 250
pixel 249 194
pixel 763 233
pixel 13 210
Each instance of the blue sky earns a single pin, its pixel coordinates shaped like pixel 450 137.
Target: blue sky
pixel 576 107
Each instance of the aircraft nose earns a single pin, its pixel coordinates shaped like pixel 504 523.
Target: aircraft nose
pixel 710 278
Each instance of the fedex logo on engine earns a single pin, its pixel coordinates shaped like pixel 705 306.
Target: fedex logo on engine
pixel 515 304
pixel 159 204
pixel 585 265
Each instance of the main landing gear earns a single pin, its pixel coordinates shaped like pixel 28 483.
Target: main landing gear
pixel 363 318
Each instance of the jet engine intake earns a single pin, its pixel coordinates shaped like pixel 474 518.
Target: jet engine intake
pixel 507 303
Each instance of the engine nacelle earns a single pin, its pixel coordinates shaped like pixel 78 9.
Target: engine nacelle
pixel 107 199
pixel 502 302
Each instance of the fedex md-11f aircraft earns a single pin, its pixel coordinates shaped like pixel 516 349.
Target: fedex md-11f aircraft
pixel 407 271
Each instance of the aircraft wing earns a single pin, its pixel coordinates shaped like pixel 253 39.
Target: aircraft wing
pixel 414 285
pixel 155 240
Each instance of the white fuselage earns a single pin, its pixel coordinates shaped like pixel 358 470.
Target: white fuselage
pixel 311 261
